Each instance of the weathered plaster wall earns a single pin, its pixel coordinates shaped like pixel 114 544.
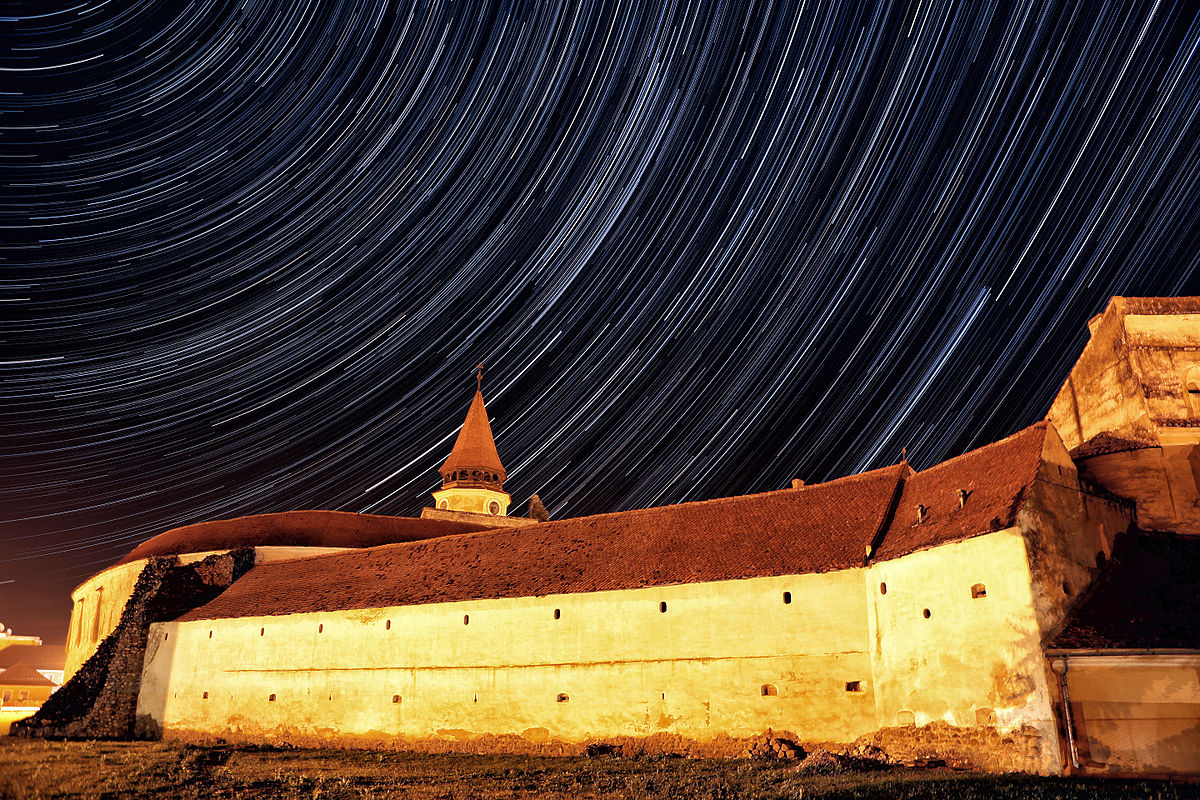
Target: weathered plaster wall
pixel 1137 714
pixel 696 670
pixel 973 661
pixel 477 518
pixel 1139 377
pixel 100 600
pixel 1069 533
pixel 1102 393
pixel 1164 351
pixel 838 660
pixel 98 603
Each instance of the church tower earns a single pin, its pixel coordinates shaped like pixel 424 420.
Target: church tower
pixel 473 477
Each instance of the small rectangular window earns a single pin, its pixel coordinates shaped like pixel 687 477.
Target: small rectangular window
pixel 206 695
pixel 854 686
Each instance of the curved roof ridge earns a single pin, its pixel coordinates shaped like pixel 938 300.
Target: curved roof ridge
pixel 311 528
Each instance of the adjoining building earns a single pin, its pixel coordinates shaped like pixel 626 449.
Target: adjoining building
pixel 23 687
pixel 976 611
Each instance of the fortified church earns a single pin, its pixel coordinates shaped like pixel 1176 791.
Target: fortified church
pixel 1030 605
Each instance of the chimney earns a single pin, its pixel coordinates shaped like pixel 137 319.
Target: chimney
pixel 797 483
pixel 1094 323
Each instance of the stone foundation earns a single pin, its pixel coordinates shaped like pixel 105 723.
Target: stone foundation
pixel 981 749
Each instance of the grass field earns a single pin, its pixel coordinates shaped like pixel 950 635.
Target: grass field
pixel 37 769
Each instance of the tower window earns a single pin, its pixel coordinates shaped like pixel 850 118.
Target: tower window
pixel 321 628
pixel 271 699
pixel 387 626
pixel 466 619
pixel 262 631
pixel 662 607
pixel 787 598
pixel 978 591
pixel 494 507
pixel 854 686
pixel 883 588
pixel 768 690
pixel 562 697
pixel 205 695
pixel 1191 384
pixel 395 698
pixel 557 613
pixel 443 504
pixel 925 613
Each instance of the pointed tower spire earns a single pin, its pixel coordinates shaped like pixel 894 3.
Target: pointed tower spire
pixel 473 477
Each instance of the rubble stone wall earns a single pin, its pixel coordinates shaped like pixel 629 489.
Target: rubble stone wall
pixel 100 699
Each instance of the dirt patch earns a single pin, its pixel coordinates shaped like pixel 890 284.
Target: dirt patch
pixel 154 770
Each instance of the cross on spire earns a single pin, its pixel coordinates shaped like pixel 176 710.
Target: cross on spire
pixel 479 378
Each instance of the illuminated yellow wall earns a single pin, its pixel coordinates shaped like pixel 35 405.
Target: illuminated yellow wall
pixel 473 499
pixel 98 603
pixel 837 661
pixel 100 600
pixel 697 669
pixel 973 659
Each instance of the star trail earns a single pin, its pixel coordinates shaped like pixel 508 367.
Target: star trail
pixel 251 252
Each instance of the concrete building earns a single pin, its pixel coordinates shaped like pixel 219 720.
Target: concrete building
pixel 977 611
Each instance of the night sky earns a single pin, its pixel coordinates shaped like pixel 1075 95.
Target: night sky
pixel 251 253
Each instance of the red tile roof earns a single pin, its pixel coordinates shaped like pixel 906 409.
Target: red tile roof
pixel 297 529
pixel 43 656
pixel 475 448
pixel 816 528
pixel 1108 442
pixel 1147 598
pixel 22 674
pixel 997 477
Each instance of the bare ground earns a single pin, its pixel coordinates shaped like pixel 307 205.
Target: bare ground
pixel 158 770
